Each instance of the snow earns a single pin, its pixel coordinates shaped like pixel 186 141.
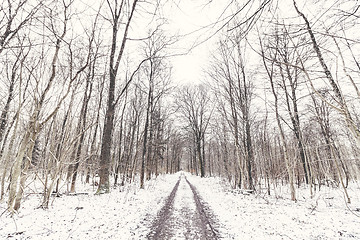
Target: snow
pixel 184 204
pixel 258 216
pixel 118 215
pixel 184 211
pixel 129 213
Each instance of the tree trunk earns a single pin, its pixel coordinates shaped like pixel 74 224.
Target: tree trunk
pixel 145 141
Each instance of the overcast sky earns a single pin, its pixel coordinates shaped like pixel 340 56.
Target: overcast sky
pixel 194 19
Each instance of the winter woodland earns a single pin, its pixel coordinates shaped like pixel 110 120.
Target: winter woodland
pixel 128 119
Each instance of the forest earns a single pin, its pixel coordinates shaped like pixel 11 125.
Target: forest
pixel 88 96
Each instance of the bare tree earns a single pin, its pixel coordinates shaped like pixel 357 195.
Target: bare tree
pixel 194 107
pixel 119 11
pixel 229 72
pixel 270 70
pixel 340 99
pixel 158 75
pixel 37 121
pixel 14 16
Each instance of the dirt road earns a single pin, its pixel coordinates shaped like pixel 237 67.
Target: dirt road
pixel 184 216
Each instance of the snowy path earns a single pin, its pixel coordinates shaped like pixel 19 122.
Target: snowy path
pixel 184 215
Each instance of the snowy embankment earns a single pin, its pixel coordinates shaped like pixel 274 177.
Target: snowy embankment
pixel 258 216
pixel 125 214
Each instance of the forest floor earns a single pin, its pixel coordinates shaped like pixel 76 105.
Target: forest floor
pixel 182 206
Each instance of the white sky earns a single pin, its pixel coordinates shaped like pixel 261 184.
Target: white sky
pixel 193 16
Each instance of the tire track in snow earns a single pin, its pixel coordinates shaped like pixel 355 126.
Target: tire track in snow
pixel 207 217
pixel 184 216
pixel 158 225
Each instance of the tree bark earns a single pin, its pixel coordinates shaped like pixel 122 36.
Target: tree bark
pixel 105 159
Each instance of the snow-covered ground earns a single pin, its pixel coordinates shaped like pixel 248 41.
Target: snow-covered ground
pixel 258 216
pixel 125 214
pixel 128 214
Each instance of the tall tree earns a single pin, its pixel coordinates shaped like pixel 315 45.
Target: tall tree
pixel 157 71
pixel 340 99
pixel 270 71
pixel 119 11
pixel 233 83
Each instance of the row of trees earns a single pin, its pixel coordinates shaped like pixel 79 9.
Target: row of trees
pixel 78 103
pixel 279 101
